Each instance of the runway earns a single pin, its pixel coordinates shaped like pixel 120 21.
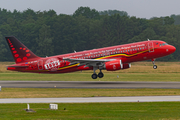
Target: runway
pixel 87 84
pixel 93 99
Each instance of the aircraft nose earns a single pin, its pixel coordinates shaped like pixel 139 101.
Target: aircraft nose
pixel 171 49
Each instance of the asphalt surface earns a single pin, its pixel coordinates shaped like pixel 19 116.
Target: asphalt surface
pixel 87 84
pixel 92 99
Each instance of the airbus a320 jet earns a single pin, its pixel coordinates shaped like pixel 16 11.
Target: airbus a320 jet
pixel 109 58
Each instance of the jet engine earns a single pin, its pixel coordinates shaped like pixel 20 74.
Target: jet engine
pixel 116 65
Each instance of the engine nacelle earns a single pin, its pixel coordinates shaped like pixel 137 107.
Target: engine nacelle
pixel 116 65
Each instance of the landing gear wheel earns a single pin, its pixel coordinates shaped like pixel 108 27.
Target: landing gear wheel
pixel 155 66
pixel 100 75
pixel 94 76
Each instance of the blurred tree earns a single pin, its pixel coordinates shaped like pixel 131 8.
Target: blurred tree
pixel 112 12
pixel 44 42
pixel 47 33
pixel 3 51
pixel 87 12
pixel 168 20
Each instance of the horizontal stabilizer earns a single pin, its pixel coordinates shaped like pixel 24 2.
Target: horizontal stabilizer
pixel 15 67
pixel 18 66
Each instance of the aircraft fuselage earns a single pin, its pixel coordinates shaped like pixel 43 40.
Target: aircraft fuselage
pixel 122 54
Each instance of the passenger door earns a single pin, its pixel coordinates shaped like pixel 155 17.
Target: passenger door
pixel 150 46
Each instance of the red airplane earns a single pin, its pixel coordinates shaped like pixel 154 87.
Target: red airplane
pixel 108 58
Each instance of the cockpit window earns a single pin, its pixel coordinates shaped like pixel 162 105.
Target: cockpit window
pixel 163 44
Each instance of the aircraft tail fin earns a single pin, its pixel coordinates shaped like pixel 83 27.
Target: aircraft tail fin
pixel 19 51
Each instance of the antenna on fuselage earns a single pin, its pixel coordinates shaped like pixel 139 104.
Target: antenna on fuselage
pixel 148 39
pixel 74 51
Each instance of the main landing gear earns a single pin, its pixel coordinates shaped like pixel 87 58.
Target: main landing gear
pixel 154 66
pixel 94 75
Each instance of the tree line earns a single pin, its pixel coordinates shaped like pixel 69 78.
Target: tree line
pixel 46 33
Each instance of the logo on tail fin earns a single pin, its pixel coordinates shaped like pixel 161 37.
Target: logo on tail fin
pixel 19 51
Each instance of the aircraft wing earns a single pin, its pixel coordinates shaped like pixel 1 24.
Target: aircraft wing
pixel 88 62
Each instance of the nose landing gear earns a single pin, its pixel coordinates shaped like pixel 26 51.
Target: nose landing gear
pixel 154 66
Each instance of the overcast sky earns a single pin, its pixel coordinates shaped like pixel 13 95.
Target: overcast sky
pixel 138 8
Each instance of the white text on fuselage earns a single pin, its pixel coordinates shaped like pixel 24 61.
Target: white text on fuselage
pixel 52 64
pixel 118 48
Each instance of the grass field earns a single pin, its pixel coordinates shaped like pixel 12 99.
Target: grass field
pixel 93 111
pixel 87 77
pixel 56 93
pixel 140 71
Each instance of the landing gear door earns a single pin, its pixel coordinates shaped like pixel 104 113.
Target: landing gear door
pixel 150 47
pixel 40 64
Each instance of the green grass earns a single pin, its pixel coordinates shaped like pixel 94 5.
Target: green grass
pixel 94 111
pixel 86 76
pixel 55 92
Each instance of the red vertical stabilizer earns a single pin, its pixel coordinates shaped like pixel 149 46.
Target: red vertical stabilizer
pixel 19 51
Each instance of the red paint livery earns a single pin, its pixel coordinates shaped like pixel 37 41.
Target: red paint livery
pixel 109 58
